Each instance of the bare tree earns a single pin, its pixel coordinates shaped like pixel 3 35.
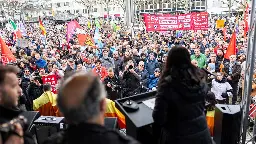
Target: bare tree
pixel 88 4
pixel 121 3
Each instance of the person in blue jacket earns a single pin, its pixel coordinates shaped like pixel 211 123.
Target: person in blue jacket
pixel 153 79
pixel 151 64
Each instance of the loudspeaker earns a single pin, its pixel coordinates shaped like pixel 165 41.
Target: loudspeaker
pixel 46 126
pixel 111 123
pixel 227 122
pixel 31 116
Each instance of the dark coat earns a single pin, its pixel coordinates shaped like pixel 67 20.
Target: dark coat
pixel 151 65
pixel 236 71
pixel 115 87
pixel 179 113
pixel 130 83
pixel 89 134
pixel 34 91
pixel 144 76
pixel 7 115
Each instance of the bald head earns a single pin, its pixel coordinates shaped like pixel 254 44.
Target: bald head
pixel 81 97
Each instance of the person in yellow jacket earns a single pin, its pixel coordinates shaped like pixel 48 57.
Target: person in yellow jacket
pixel 46 103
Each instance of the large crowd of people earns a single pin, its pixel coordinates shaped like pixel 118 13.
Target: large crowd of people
pixel 129 63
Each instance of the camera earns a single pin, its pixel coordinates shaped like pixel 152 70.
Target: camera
pixel 130 67
pixel 6 129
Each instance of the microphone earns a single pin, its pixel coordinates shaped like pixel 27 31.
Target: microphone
pixel 130 105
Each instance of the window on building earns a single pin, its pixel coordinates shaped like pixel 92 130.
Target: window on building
pixel 58 4
pixel 151 6
pixel 155 6
pixel 171 5
pixel 77 11
pixel 203 3
pixel 165 5
pixel 68 11
pixel 161 6
pixel 105 9
pixel 198 3
pixel 66 4
pixel 95 10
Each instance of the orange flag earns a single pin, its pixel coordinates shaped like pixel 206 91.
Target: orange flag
pixel 7 55
pixel 81 39
pixel 231 50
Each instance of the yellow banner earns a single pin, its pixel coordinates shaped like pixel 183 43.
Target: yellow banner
pixel 220 23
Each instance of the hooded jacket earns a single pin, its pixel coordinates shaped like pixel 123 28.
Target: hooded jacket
pixel 179 113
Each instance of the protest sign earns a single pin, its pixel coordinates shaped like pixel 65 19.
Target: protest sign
pixel 51 79
pixel 165 22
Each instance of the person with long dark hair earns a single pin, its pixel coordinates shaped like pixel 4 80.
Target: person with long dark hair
pixel 178 114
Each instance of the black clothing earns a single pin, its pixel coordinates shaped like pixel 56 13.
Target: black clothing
pixel 33 92
pixel 234 72
pixel 113 91
pixel 117 63
pixel 136 59
pixel 144 75
pixel 179 112
pixel 7 115
pixel 89 134
pixel 131 84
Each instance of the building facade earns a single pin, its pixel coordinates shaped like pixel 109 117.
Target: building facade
pixel 170 6
pixel 87 8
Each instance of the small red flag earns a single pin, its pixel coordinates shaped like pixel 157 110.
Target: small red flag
pixel 7 55
pixel 231 50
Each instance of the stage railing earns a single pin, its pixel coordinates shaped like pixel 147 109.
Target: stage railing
pixel 249 71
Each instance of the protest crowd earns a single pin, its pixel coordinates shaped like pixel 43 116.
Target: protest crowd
pixel 127 62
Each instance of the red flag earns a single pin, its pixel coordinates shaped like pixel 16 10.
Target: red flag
pixel 81 39
pixel 7 55
pixel 231 50
pixel 246 25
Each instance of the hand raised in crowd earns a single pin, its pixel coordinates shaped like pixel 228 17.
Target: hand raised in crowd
pixel 132 70
pixel 14 138
pixel 120 73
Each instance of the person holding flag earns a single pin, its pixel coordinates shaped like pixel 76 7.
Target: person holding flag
pixel 41 26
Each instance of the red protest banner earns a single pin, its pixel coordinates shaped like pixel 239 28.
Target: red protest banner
pixel 164 22
pixel 51 79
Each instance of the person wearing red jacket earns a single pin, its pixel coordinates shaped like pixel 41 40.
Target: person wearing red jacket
pixel 100 70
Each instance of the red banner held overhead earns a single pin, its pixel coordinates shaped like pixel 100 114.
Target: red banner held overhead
pixel 52 80
pixel 164 22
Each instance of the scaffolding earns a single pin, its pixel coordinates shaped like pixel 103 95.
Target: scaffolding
pixel 249 71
